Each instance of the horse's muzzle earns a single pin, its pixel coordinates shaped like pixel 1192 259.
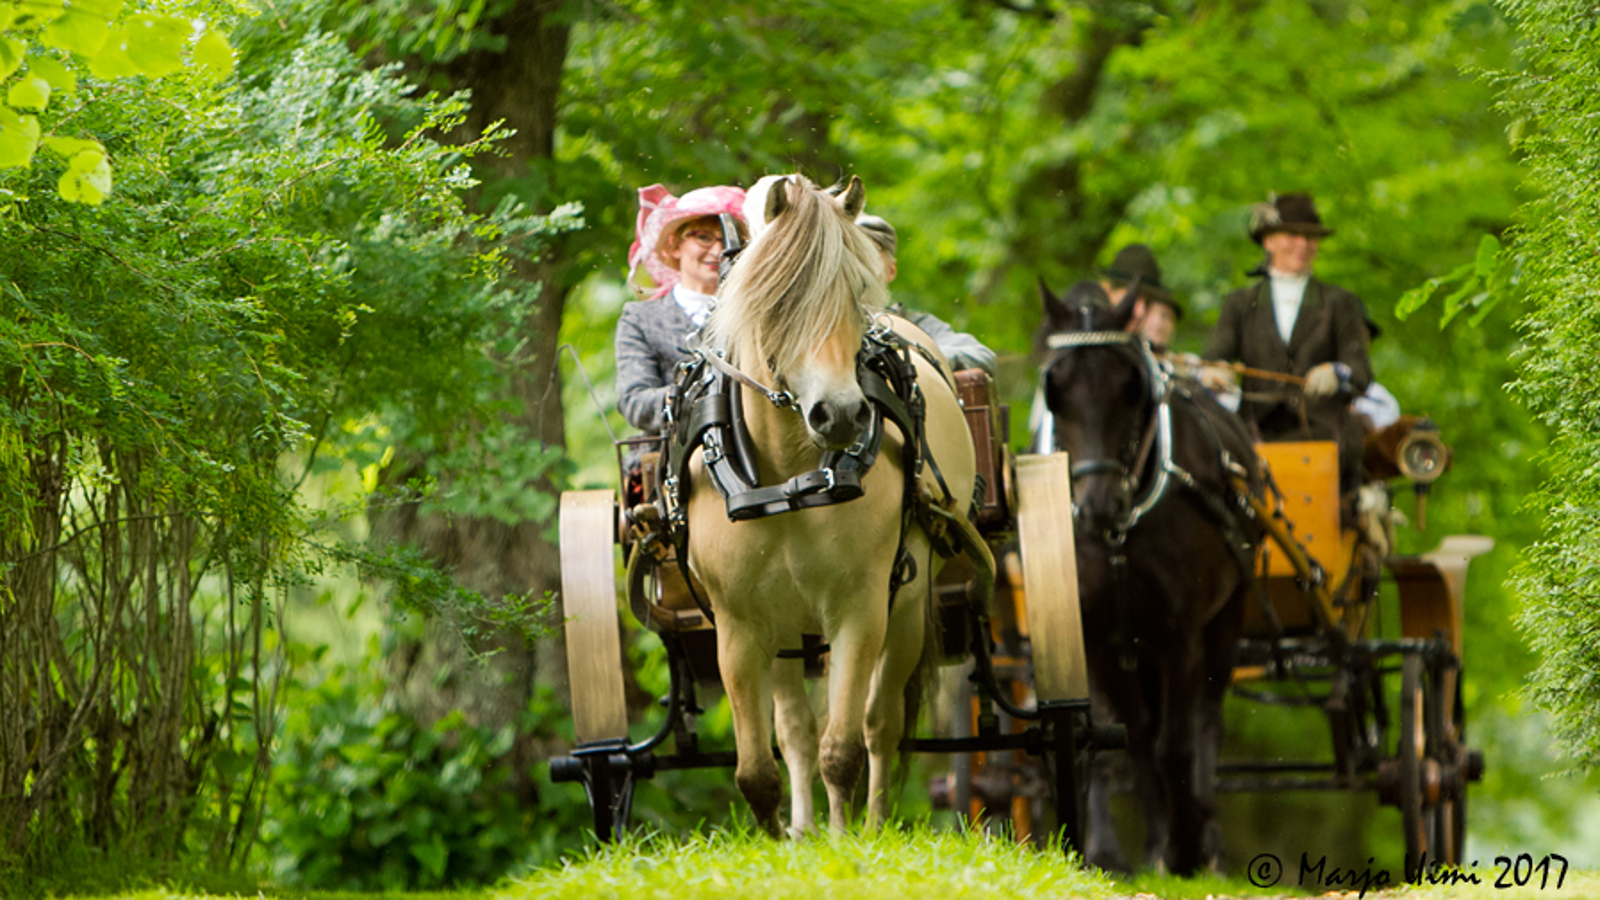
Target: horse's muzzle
pixel 837 425
pixel 1103 500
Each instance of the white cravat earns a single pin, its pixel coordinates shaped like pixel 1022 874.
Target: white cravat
pixel 693 303
pixel 1287 292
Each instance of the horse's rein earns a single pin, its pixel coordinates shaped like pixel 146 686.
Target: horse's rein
pixel 1237 368
pixel 780 399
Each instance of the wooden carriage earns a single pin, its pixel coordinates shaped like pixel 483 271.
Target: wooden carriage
pixel 1316 639
pixel 1392 702
pixel 1030 701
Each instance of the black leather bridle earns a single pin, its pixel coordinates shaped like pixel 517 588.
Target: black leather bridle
pixel 1156 436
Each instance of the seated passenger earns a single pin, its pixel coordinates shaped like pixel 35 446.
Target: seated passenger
pixel 1155 313
pixel 962 350
pixel 679 244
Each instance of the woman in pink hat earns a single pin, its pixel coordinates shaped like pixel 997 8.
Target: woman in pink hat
pixel 679 244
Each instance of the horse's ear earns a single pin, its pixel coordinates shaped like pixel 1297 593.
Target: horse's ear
pixel 777 199
pixel 855 198
pixel 1123 313
pixel 1055 311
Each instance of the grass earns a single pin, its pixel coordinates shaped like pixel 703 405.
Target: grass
pixel 899 864
pixel 890 864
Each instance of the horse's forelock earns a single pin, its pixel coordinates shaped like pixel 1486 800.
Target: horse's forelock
pixel 804 274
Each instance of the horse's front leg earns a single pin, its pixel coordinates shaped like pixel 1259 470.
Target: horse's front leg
pixel 747 678
pixel 888 713
pixel 797 740
pixel 1179 760
pixel 851 659
pixel 1102 848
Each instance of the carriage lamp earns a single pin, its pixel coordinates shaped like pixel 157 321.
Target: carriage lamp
pixel 1423 457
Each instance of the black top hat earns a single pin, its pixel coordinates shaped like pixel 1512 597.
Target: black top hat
pixel 1137 260
pixel 1294 213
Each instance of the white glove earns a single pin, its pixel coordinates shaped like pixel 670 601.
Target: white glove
pixel 1322 381
pixel 1218 380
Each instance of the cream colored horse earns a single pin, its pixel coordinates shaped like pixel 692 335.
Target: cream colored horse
pixel 792 315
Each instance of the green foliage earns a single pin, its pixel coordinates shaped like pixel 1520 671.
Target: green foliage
pixel 1478 285
pixel 46 44
pixel 1554 101
pixel 366 798
pixel 274 268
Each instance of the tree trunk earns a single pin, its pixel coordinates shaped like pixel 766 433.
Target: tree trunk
pixel 519 85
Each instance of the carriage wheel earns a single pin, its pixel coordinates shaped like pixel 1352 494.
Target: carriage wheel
pixel 1050 577
pixel 594 652
pixel 1418 817
pixel 1450 816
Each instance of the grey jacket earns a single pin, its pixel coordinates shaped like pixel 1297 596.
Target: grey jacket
pixel 652 337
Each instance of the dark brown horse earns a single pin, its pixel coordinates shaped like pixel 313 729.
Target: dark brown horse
pixel 1164 556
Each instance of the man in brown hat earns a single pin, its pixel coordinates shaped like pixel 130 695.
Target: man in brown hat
pixel 1291 322
pixel 1155 313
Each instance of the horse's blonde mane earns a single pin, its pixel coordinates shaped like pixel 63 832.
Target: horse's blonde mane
pixel 807 272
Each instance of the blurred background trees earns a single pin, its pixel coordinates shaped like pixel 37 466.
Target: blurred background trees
pixel 287 411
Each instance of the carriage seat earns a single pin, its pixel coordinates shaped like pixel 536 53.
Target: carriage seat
pixel 990 424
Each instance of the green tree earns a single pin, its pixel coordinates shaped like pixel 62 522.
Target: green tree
pixel 275 275
pixel 1557 256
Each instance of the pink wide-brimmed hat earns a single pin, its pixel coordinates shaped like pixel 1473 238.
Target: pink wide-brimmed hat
pixel 658 212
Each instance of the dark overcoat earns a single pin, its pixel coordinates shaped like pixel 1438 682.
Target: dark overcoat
pixel 1331 327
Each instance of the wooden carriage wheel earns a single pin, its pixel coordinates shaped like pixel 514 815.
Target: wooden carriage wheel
pixel 1412 752
pixel 594 655
pixel 1055 629
pixel 1050 577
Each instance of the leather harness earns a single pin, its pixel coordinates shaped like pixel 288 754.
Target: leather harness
pixel 1157 441
pixel 706 411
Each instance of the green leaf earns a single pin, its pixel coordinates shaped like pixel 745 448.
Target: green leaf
pixel 433 855
pixel 87 179
pixel 112 61
pixel 77 32
pixel 155 43
pixel 19 138
pixel 105 9
pixel 54 73
pixel 1452 303
pixel 31 92
pixel 11 51
pixel 8 14
pixel 1488 252
pixel 213 55
pixel 67 147
pixel 1416 298
pixel 33 13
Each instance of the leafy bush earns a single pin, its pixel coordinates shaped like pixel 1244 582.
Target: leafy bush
pixel 364 797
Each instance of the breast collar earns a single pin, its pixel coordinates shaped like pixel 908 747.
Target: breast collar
pixel 706 410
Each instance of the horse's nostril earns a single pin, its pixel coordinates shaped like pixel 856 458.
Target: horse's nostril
pixel 863 416
pixel 820 418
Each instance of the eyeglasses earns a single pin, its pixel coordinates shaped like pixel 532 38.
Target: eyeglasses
pixel 704 238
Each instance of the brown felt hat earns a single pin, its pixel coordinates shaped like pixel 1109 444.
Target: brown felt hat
pixel 1137 260
pixel 1294 213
